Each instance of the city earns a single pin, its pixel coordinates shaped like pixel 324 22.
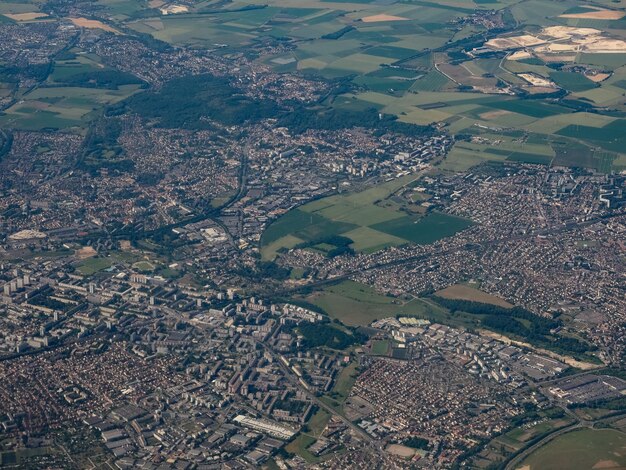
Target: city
pixel 312 234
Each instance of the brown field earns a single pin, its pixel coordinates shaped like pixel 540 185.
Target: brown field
pixel 382 17
pixel 607 45
pixel 597 15
pixel 401 451
pixel 26 16
pixel 557 57
pixel 463 292
pixel 494 114
pixel 519 55
pixel 599 77
pixel 86 252
pixel 527 40
pixel 534 90
pixel 93 24
pixel 607 464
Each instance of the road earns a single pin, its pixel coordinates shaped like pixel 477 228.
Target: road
pixel 518 459
pixel 580 424
pixel 424 256
pixel 291 377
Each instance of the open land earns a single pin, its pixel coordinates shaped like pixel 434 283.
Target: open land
pixel 581 449
pixel 465 292
pixel 362 217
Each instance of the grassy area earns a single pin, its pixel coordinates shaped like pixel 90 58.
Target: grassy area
pixel 93 265
pixel 318 422
pixel 345 381
pixel 356 304
pixel 299 445
pixel 580 450
pixel 424 230
pixel 144 266
pixel 380 348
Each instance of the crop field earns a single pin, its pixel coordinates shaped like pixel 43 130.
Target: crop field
pixel 610 137
pixel 363 217
pixel 424 230
pixel 575 154
pixel 572 81
pixel 581 450
pixel 397 54
pixel 61 107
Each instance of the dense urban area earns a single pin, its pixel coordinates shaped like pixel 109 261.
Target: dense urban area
pixel 313 234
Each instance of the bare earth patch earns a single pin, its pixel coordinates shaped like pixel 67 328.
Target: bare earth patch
pixel 607 45
pixel 519 55
pixel 597 15
pixel 492 115
pixel 401 451
pixel 86 252
pixel 599 77
pixel 463 292
pixel 607 464
pixel 382 17
pixel 26 16
pixel 527 40
pixel 93 24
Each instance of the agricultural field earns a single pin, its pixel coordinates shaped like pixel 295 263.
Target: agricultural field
pixel 455 64
pixel 516 439
pixel 364 218
pixel 61 107
pixel 580 449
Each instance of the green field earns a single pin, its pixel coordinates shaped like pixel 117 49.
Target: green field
pixel 391 64
pixel 365 217
pixel 610 137
pixel 581 450
pixel 93 265
pixel 464 156
pixel 424 230
pixel 380 348
pixel 298 446
pixel 303 225
pixel 61 107
pixel 572 81
pixel 356 304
